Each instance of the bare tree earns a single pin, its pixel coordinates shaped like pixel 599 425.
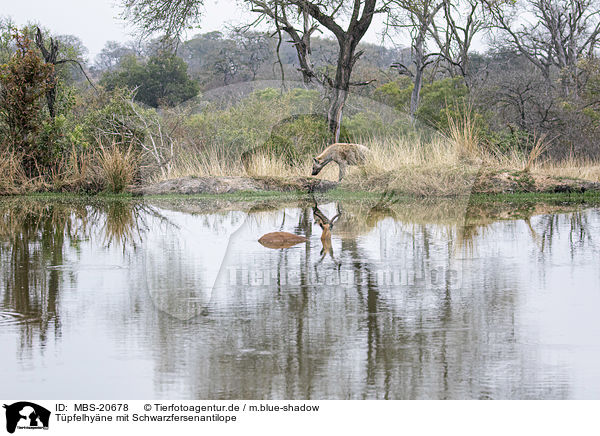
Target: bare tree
pixel 521 96
pixel 50 54
pixel 561 33
pixel 449 26
pixel 255 50
pixel 168 18
pixel 454 33
pixel 417 17
pixel 300 19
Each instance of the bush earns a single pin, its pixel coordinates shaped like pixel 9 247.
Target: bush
pixel 24 81
pixel 107 116
pixel 396 93
pixel 439 100
pixel 252 121
pixel 300 136
pixel 161 81
pixel 442 100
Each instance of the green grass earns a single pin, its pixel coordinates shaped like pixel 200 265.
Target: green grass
pixel 233 196
pixel 70 195
pixel 591 197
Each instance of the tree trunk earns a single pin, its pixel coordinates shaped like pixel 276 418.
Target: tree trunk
pixel 418 78
pixel 341 86
pixel 335 113
pixel 50 57
pixel 51 98
pixel 347 40
pixel 416 93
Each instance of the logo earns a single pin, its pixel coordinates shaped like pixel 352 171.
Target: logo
pixel 26 415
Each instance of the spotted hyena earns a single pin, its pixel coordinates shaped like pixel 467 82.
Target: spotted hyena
pixel 342 154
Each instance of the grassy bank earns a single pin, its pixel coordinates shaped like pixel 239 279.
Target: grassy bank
pixel 455 162
pixel 442 167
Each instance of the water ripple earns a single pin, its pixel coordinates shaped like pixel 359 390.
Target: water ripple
pixel 8 318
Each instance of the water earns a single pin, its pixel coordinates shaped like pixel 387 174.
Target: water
pixel 177 299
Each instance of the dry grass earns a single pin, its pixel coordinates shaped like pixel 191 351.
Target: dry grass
pixel 116 167
pixel 539 147
pixel 447 165
pixel 450 164
pixel 215 161
pixel 109 167
pixel 464 135
pixel 75 172
pixel 570 168
pixel 434 168
pixel 13 179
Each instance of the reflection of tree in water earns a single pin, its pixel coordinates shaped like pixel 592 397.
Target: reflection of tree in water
pixel 305 339
pixel 549 228
pixel 549 218
pixel 368 339
pixel 39 241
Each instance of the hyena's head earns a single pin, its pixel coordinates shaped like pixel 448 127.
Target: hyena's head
pixel 317 166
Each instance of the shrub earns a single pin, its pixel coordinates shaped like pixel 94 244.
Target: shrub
pixel 161 81
pixel 396 93
pixel 300 136
pixel 117 167
pixel 24 81
pixel 442 100
pixel 253 120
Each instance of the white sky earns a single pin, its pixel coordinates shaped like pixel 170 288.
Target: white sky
pixel 96 21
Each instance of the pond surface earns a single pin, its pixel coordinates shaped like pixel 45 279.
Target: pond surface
pixel 177 299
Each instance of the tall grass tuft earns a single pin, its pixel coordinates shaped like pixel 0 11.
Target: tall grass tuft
pixel 464 134
pixel 13 179
pixel 75 172
pixel 117 167
pixel 539 147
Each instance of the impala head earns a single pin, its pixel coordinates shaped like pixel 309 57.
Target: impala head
pixel 317 166
pixel 325 223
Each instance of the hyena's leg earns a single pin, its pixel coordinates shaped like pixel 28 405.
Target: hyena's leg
pixel 342 165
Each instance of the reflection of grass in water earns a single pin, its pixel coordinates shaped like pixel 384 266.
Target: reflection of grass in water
pixel 462 218
pixel 33 236
pixel 24 218
pixel 122 224
pixel 125 222
pixel 466 235
pixel 120 221
pixel 480 216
